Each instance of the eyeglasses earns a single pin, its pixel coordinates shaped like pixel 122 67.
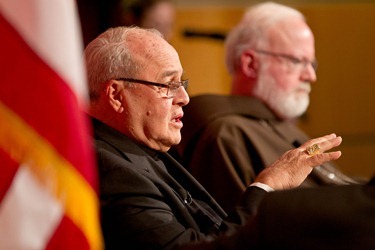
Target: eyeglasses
pixel 169 89
pixel 293 60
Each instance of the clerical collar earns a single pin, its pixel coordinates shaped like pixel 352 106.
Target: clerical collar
pixel 151 152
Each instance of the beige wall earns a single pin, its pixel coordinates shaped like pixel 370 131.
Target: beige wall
pixel 343 98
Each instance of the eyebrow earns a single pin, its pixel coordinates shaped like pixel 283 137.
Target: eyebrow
pixel 171 73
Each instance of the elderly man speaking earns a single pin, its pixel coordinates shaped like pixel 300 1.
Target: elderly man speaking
pixel 148 200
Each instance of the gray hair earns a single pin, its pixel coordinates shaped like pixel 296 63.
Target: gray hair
pixel 252 30
pixel 108 57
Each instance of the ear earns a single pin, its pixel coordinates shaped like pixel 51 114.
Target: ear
pixel 114 95
pixel 248 64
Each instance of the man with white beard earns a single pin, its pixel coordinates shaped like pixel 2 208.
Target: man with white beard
pixel 228 140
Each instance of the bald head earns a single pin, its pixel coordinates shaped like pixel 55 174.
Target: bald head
pixel 148 46
pixel 112 54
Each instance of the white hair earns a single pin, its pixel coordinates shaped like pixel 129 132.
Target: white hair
pixel 253 30
pixel 108 57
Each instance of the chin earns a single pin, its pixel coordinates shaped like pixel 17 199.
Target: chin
pixel 174 139
pixel 177 141
pixel 290 112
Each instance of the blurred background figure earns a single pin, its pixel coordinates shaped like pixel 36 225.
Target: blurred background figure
pixel 157 14
pixel 228 140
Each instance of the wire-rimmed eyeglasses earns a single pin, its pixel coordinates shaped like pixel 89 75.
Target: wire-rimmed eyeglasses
pixel 169 89
pixel 294 60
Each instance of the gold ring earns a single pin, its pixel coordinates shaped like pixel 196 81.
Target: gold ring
pixel 313 149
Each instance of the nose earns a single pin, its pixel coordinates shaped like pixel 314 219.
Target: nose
pixel 181 97
pixel 308 73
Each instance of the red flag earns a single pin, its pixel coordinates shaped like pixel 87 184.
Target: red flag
pixel 48 179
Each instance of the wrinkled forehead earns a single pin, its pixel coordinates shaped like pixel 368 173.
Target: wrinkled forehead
pixel 150 48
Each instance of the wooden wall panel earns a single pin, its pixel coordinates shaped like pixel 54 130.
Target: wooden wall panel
pixel 343 98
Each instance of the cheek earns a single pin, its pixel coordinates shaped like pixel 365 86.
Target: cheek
pixel 157 114
pixel 286 81
pixel 290 84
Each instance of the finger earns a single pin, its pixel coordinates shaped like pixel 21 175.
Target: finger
pixel 321 146
pixel 318 140
pixel 329 144
pixel 319 159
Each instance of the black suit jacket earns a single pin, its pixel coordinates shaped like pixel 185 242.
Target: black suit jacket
pixel 324 218
pixel 149 201
pixel 320 218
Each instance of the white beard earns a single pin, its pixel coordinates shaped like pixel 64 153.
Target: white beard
pixel 286 105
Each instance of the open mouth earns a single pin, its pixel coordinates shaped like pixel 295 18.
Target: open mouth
pixel 178 118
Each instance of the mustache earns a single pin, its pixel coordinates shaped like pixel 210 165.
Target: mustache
pixel 306 86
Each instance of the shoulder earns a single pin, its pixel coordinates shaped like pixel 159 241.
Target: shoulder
pixel 109 156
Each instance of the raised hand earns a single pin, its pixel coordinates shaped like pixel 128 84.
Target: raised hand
pixel 292 168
